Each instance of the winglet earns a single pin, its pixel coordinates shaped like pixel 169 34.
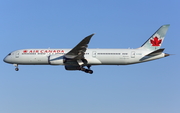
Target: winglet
pixel 79 50
pixel 86 39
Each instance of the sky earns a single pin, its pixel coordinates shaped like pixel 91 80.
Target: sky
pixel 151 87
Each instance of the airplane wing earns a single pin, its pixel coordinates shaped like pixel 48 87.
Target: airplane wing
pixel 77 53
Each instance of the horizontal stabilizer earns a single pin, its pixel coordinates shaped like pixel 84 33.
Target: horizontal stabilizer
pixel 157 52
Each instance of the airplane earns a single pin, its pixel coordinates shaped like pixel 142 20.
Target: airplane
pixel 82 58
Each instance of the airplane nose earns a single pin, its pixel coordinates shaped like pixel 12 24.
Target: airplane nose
pixel 9 59
pixel 5 59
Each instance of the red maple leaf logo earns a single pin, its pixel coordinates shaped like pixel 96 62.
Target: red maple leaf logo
pixel 25 51
pixel 155 41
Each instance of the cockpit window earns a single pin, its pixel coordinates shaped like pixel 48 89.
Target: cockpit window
pixel 9 54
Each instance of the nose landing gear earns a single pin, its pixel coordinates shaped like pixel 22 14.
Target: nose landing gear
pixel 17 69
pixel 16 65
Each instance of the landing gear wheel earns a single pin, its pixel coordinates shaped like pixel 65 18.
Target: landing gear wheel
pixel 86 70
pixel 90 71
pixel 83 69
pixel 16 65
pixel 17 69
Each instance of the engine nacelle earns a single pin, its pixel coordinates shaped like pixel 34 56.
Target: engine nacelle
pixel 55 60
pixel 69 67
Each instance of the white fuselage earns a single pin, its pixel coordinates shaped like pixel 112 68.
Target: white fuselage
pixel 93 56
pixel 80 56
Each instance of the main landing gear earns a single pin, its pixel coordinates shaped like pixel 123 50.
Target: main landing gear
pixel 16 65
pixel 87 70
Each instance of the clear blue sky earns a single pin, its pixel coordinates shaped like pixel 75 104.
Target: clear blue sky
pixel 151 87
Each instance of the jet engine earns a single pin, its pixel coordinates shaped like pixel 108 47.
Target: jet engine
pixel 69 67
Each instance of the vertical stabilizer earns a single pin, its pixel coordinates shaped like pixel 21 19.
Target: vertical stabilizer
pixel 156 40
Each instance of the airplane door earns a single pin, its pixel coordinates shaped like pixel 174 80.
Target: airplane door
pixel 133 54
pixel 94 53
pixel 17 54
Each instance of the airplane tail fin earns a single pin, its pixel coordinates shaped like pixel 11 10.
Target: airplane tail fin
pixel 156 40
